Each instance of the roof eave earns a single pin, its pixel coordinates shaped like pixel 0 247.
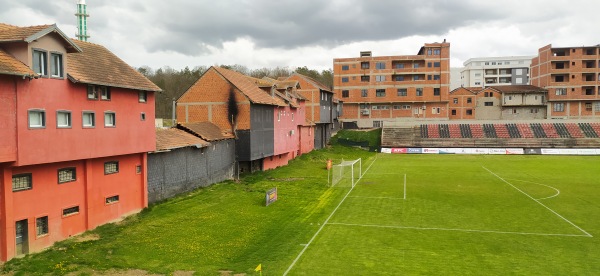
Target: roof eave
pixel 74 80
pixel 52 28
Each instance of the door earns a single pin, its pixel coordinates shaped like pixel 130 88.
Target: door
pixel 21 237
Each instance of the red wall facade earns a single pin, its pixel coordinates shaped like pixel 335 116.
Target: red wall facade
pixel 8 123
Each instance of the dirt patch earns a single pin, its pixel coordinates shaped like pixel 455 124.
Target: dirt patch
pixel 87 237
pixel 183 273
pixel 287 179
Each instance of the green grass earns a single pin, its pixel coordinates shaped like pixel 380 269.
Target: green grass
pixel 457 218
pixel 373 137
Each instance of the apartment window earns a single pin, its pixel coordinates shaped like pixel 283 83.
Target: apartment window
pixel 345 79
pixel 469 100
pixel 436 64
pixel 70 211
pixel 379 78
pixel 365 78
pixel 37 118
pixel 111 167
pixel 380 93
pixel 559 107
pixel 533 110
pixel 419 91
pixel 364 106
pixel 63 119
pixel 597 106
pixel 399 65
pixel 399 78
pixel 364 93
pixel 455 100
pixel 92 94
pixel 41 226
pixel 416 77
pixel 487 63
pixel 89 119
pixel 380 65
pixel 588 106
pixel 142 96
pixel 436 91
pixel 66 175
pixel 428 77
pixel 453 112
pixel 142 116
pixel 415 65
pixel 469 112
pixel 478 74
pixel 110 119
pixel 364 65
pixel 406 107
pixel 39 62
pixel 561 91
pixel 436 52
pixel 514 111
pixel 397 107
pixel 429 52
pixel 477 83
pixel 436 77
pixel 435 110
pixel 138 168
pixel 402 92
pixel 429 64
pixel 56 65
pixel 345 68
pixel 488 103
pixel 345 93
pixel 104 93
pixel 112 199
pixel 22 182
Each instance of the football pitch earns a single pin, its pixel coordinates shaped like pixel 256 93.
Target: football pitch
pixel 435 214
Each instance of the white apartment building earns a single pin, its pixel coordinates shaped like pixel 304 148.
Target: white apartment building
pixel 492 71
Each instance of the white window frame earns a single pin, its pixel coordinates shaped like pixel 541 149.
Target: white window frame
pixel 110 119
pixel 69 120
pixel 92 115
pixel 56 65
pixel 142 96
pixel 42 59
pixel 41 114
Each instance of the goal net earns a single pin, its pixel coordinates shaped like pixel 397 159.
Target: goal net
pixel 346 174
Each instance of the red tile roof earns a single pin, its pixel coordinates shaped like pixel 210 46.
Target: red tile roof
pixel 206 130
pixel 11 66
pixel 473 90
pixel 518 89
pixel 247 87
pixel 314 82
pixel 97 65
pixel 10 33
pixel 172 138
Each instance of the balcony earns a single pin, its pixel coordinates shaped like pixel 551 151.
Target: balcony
pixel 505 80
pixel 587 77
pixel 491 72
pixel 491 80
pixel 590 51
pixel 588 90
pixel 560 65
pixel 560 77
pixel 561 52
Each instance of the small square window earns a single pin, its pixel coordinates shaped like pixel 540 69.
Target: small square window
pixel 111 167
pixel 143 116
pixel 112 199
pixel 345 93
pixel 70 211
pixel 138 168
pixel 110 119
pixel 402 92
pixel 56 65
pixel 41 226
pixel 37 118
pixel 63 119
pixel 39 62
pixel 453 112
pixel 142 96
pixel 66 175
pixel 88 119
pixel 92 94
pixel 380 93
pixel 364 93
pixel 469 112
pixel 419 92
pixel 469 100
pixel 104 93
pixel 345 79
pixel 455 100
pixel 345 67
pixel 379 78
pixel 22 182
pixel 436 91
pixel 364 65
pixel 380 65
pixel 365 78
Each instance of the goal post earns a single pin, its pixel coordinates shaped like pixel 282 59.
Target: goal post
pixel 346 174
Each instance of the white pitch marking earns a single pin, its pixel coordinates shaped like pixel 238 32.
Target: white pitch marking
pixel 327 220
pixel 555 195
pixel 457 230
pixel 538 202
pixel 377 197
pixel 405 186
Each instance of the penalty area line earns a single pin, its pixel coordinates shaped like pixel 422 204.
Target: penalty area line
pixel 458 230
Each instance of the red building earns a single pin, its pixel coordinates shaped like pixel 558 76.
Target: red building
pixel 75 126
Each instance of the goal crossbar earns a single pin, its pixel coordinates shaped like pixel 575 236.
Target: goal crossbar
pixel 346 173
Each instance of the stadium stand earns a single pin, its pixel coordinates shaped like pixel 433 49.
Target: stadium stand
pixel 465 131
pixel 525 131
pixel 489 131
pixel 455 131
pixel 562 130
pixel 501 131
pixel 444 131
pixel 574 130
pixel 424 132
pixel 596 128
pixel 433 131
pixel 477 131
pixel 513 131
pixel 538 131
pixel 550 130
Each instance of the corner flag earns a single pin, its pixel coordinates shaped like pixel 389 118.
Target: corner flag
pixel 258 268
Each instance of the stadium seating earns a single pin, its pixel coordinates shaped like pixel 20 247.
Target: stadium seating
pixel 433 131
pixel 562 130
pixel 513 131
pixel 477 131
pixel 501 131
pixel 596 128
pixel 465 131
pixel 550 130
pixel 525 131
pixel 489 131
pixel 424 132
pixel 574 130
pixel 454 130
pixel 444 131
pixel 538 131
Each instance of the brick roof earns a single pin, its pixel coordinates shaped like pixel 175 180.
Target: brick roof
pixel 247 87
pixel 473 90
pixel 11 66
pixel 10 33
pixel 97 65
pixel 518 89
pixel 173 138
pixel 314 82
pixel 206 130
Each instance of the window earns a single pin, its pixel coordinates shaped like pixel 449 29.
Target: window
pixel 477 83
pixel 380 93
pixel 435 110
pixel 379 78
pixel 112 199
pixel 92 94
pixel 142 116
pixel 436 64
pixel 380 65
pixel 63 119
pixel 88 119
pixel 399 78
pixel 138 168
pixel 429 52
pixel 365 78
pixel 104 93
pixel 406 107
pixel 429 64
pixel 364 65
pixel 487 63
pixel 561 91
pixel 469 100
pixel 66 175
pixel 533 110
pixel 39 62
pixel 397 107
pixel 488 103
pixel 514 111
pixel 70 211
pixel 345 79
pixel 436 77
pixel 559 107
pixel 142 96
pixel 453 112
pixel 428 77
pixel 111 167
pixel 22 182
pixel 455 100
pixel 400 65
pixel 436 91
pixel 110 119
pixel 469 112
pixel 419 91
pixel 416 77
pixel 56 65
pixel 345 68
pixel 402 92
pixel 364 106
pixel 345 93
pixel 364 93
pixel 437 52
pixel 37 118
pixel 415 65
pixel 41 226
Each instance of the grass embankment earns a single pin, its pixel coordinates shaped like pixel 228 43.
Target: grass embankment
pixel 223 227
pixel 373 137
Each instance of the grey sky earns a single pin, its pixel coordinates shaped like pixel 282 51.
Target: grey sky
pixel 261 33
